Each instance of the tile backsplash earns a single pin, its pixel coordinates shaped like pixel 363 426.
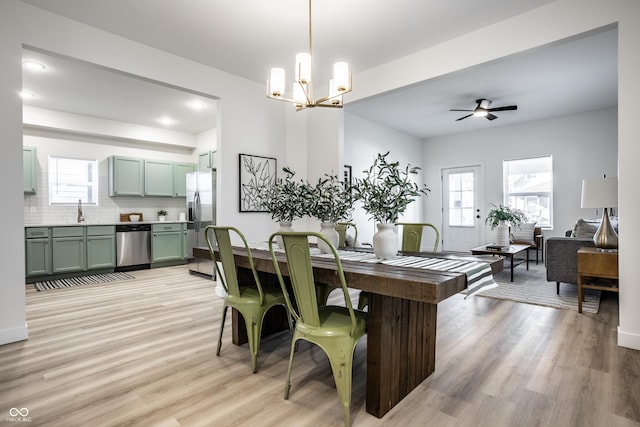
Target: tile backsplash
pixel 38 211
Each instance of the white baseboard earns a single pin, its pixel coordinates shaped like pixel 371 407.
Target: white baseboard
pixel 628 339
pixel 13 335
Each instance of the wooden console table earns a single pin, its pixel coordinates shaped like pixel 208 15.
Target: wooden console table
pixel 595 264
pixel 401 328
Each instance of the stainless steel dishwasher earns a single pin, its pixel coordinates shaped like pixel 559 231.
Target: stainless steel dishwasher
pixel 133 246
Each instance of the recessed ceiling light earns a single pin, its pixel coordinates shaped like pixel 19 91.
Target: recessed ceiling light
pixel 27 95
pixel 197 105
pixel 33 65
pixel 167 121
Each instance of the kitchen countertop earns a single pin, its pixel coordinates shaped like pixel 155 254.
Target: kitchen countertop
pixel 73 224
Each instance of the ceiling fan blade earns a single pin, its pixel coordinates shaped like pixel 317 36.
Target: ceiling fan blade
pixel 460 110
pixel 507 108
pixel 464 117
pixel 490 116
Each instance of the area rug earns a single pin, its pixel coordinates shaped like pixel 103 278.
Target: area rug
pixel 82 280
pixel 531 287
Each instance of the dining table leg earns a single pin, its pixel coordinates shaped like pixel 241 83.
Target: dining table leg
pixel 401 349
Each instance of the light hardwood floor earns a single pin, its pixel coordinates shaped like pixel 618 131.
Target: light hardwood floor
pixel 142 353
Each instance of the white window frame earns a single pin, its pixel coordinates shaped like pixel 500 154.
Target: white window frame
pixel 89 183
pixel 508 196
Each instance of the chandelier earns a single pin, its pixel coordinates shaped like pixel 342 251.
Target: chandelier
pixel 302 92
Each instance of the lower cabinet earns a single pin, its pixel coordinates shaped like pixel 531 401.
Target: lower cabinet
pixel 58 250
pixel 168 242
pixel 68 249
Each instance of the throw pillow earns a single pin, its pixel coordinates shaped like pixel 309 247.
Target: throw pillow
pixel 524 234
pixel 585 229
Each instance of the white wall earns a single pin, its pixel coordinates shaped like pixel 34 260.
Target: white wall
pixel 248 123
pixel 582 146
pixel 363 140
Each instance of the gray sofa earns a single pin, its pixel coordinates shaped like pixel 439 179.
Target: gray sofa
pixel 562 252
pixel 562 259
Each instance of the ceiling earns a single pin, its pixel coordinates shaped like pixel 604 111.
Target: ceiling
pixel 248 37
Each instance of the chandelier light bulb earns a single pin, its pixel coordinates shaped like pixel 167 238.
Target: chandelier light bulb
pixel 341 76
pixel 303 68
pixel 276 82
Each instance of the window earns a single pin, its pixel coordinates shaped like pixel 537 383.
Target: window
pixel 71 180
pixel 461 199
pixel 528 186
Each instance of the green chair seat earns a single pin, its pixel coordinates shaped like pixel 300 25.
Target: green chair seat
pixel 335 329
pixel 251 300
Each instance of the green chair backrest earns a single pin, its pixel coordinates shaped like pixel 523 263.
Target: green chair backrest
pixel 296 247
pixel 412 235
pixel 229 279
pixel 342 228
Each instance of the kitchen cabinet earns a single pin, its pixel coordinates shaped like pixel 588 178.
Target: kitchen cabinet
pixel 126 176
pixel 168 242
pixel 158 178
pixel 101 247
pixel 38 251
pixel 130 176
pixel 67 249
pixel 29 169
pixel 207 160
pixel 180 171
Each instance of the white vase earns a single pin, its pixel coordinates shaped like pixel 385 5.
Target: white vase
pixel 284 226
pixel 385 242
pixel 502 234
pixel 328 230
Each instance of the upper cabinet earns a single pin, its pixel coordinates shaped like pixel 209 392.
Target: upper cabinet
pixel 29 169
pixel 139 177
pixel 207 160
pixel 126 176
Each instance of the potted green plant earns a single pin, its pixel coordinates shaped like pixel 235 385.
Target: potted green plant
pixel 500 217
pixel 162 215
pixel 286 199
pixel 330 202
pixel 385 192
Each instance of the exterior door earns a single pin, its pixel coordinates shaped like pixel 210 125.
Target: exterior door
pixel 463 222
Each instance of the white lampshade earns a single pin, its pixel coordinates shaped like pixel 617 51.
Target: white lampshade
pixel 341 76
pixel 599 193
pixel 303 68
pixel 276 82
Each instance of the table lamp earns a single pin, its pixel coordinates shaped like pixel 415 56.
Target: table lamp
pixel 602 193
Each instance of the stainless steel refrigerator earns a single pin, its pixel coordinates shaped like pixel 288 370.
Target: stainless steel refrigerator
pixel 201 211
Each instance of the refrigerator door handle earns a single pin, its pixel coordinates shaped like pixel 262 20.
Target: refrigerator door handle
pixel 196 211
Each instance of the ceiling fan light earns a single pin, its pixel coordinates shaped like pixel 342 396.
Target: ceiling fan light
pixel 480 113
pixel 276 82
pixel 341 76
pixel 303 68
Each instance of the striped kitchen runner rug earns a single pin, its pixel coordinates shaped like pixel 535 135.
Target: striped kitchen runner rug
pixel 82 280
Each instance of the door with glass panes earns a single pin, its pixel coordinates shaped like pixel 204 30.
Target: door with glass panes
pixel 462 220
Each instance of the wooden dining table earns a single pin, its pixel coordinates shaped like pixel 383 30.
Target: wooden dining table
pixel 402 319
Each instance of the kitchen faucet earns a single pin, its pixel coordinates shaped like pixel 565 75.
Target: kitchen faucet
pixel 80 216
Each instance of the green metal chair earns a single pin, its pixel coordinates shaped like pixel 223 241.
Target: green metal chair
pixel 250 299
pixel 342 228
pixel 335 329
pixel 412 235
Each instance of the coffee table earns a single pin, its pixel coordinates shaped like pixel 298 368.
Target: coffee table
pixel 508 253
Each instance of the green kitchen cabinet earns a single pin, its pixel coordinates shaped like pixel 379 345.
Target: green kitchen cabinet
pixel 207 160
pixel 158 178
pixel 68 249
pixel 29 169
pixel 180 171
pixel 38 251
pixel 126 176
pixel 101 247
pixel 168 242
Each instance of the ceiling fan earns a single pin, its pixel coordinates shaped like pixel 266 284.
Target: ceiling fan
pixel 483 110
